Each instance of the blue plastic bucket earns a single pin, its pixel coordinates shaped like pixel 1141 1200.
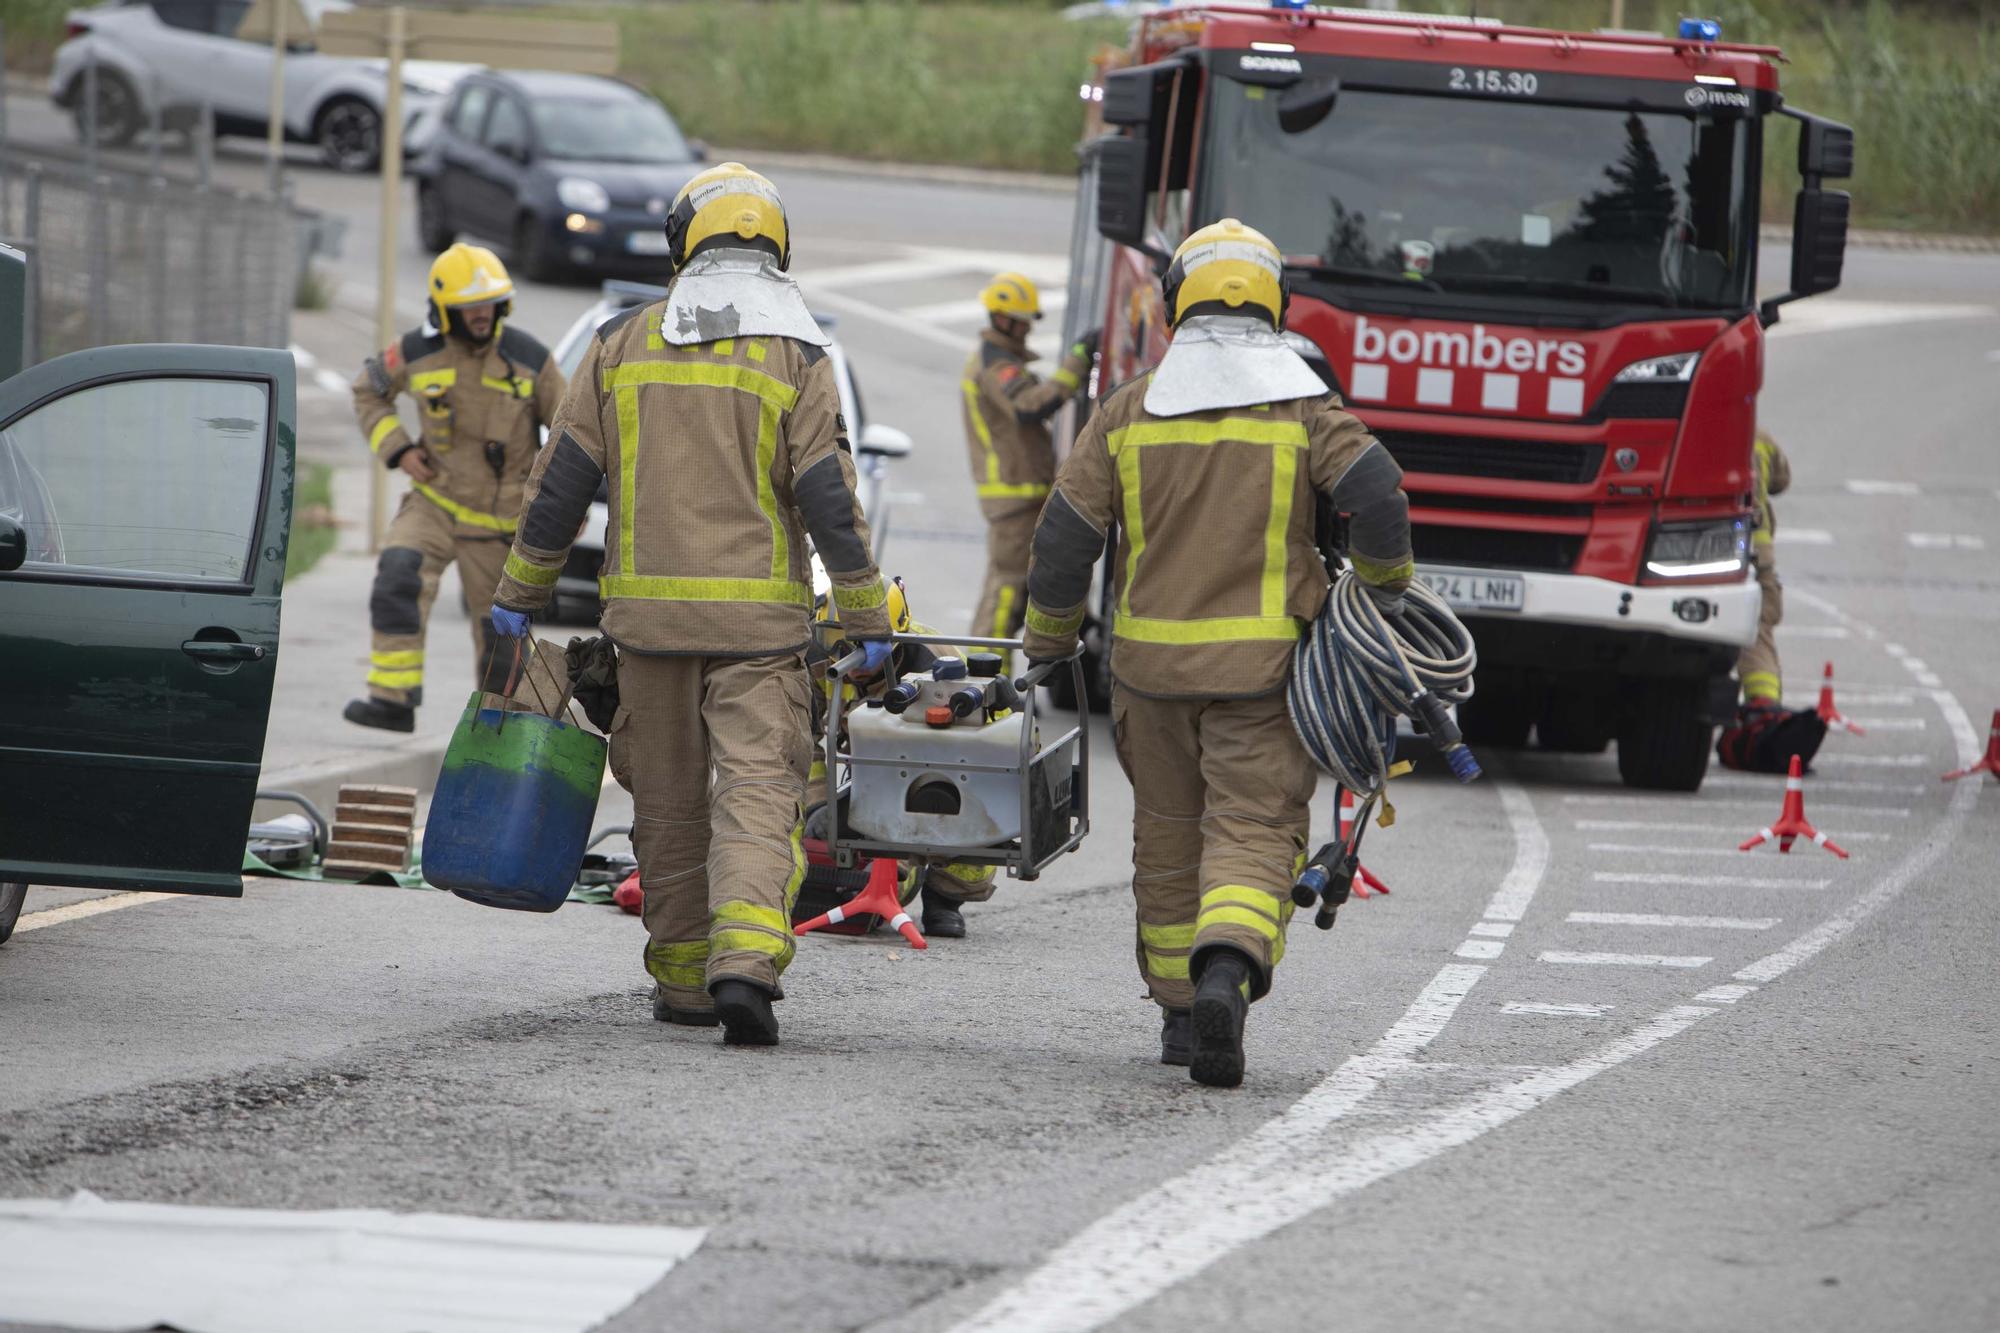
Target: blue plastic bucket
pixel 513 808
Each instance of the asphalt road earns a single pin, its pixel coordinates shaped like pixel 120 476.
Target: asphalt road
pixel 1587 1067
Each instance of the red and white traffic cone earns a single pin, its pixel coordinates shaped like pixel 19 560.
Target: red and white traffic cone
pixel 1990 763
pixel 1791 822
pixel 1365 883
pixel 1827 712
pixel 878 899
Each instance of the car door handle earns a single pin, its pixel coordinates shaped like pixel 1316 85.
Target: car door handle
pixel 219 650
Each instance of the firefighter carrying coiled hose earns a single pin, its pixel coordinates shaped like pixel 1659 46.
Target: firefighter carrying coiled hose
pixel 1354 672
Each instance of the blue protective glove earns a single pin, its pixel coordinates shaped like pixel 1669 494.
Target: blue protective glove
pixel 875 655
pixel 510 624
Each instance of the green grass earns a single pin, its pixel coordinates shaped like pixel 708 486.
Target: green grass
pixel 313 532
pixel 32 30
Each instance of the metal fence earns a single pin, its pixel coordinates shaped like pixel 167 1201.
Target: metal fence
pixel 119 256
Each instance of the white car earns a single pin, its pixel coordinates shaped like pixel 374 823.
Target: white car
pixel 875 443
pixel 178 55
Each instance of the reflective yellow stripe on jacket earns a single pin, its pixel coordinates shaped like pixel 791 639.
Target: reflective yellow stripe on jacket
pixel 992 488
pixel 1287 439
pixel 775 398
pixel 465 514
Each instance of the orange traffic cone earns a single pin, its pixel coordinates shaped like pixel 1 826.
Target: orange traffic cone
pixel 1791 822
pixel 1365 883
pixel 1827 712
pixel 878 898
pixel 1991 762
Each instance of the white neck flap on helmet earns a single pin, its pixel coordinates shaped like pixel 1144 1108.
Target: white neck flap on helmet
pixel 1218 361
pixel 732 293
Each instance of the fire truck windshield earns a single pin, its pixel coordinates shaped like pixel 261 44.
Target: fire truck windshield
pixel 1514 200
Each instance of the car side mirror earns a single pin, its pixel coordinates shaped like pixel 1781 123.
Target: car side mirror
pixel 14 544
pixel 884 441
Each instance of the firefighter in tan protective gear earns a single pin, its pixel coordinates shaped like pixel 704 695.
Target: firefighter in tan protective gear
pixel 1007 411
pixel 483 389
pixel 714 415
pixel 947 886
pixel 1211 467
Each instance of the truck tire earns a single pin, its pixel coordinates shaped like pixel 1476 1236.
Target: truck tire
pixel 1495 719
pixel 12 895
pixel 1572 730
pixel 1663 742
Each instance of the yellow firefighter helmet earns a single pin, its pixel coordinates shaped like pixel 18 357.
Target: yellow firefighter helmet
pixel 729 202
pixel 1226 268
pixel 468 275
pixel 1011 294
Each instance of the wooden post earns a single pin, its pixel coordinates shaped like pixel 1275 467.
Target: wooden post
pixel 275 134
pixel 1617 13
pixel 385 291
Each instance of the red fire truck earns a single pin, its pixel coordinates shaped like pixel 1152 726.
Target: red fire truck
pixel 1528 260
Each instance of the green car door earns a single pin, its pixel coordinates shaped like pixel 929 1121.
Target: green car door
pixel 145 506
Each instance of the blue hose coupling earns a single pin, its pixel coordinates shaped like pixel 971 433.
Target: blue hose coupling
pixel 1463 762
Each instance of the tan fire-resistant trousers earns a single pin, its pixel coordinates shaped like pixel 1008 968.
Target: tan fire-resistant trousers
pixel 714 751
pixel 423 540
pixel 1220 790
pixel 1758 668
pixel 1003 602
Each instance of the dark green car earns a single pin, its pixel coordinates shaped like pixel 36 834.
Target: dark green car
pixel 145 506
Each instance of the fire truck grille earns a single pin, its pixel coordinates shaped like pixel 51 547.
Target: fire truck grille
pixel 1494 548
pixel 1503 460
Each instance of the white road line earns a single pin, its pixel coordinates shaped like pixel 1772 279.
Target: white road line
pixel 1663 849
pixel 1685 826
pixel 1706 881
pixel 1725 994
pixel 330 381
pixel 56 916
pixel 1531 857
pixel 302 358
pixel 1814 631
pixel 1804 537
pixel 1838 926
pixel 1841 314
pixel 1734 803
pixel 1556 1010
pixel 883 315
pixel 1281 1174
pixel 1842 758
pixel 1484 949
pixel 1690 922
pixel 1945 541
pixel 970 311
pixel 1498 930
pixel 1804 696
pixel 1570 958
pixel 1890 723
pixel 1815 784
pixel 1855 487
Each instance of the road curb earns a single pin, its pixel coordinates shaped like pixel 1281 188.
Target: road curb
pixel 1868 238
pixel 928 173
pixel 412 764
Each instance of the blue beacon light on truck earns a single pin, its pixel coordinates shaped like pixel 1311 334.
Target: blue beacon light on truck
pixel 1701 30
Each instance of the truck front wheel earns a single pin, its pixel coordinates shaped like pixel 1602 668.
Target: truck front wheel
pixel 12 895
pixel 1664 736
pixel 1495 718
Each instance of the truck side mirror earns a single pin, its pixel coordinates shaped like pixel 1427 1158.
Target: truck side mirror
pixel 1305 105
pixel 1121 190
pixel 1826 148
pixel 1819 218
pixel 13 545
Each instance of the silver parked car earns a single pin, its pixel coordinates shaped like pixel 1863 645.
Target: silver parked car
pixel 875 443
pixel 180 55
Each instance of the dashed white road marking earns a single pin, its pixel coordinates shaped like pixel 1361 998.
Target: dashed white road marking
pixel 1815 783
pixel 1733 803
pixel 1681 826
pixel 1861 487
pixel 1498 930
pixel 1706 881
pixel 1814 631
pixel 841 303
pixel 1803 537
pixel 1945 541
pixel 1575 958
pixel 1531 857
pixel 56 916
pixel 1840 758
pixel 1725 994
pixel 1483 949
pixel 1677 922
pixel 1556 1010
pixel 1890 723
pixel 1840 315
pixel 1664 849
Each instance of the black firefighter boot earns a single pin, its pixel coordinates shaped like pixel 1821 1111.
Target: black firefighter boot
pixel 942 917
pixel 380 713
pixel 1221 999
pixel 745 1010
pixel 689 1018
pixel 1176 1037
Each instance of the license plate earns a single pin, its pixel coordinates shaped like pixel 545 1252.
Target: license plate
pixel 646 243
pixel 1477 590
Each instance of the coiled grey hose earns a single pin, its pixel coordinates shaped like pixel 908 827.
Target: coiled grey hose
pixel 1355 671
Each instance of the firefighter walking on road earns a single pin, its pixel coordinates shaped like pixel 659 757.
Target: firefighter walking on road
pixel 483 389
pixel 1211 467
pixel 1007 411
pixel 715 418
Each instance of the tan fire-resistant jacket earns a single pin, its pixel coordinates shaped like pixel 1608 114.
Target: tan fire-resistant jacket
pixel 466 396
pixel 1774 474
pixel 1216 563
pixel 721 456
pixel 1007 411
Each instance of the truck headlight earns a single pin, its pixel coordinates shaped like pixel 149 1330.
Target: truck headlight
pixel 1678 368
pixel 1713 549
pixel 585 196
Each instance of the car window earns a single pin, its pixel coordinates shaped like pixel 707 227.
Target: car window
pixel 507 127
pixel 229 17
pixel 470 111
pixel 192 15
pixel 627 129
pixel 148 476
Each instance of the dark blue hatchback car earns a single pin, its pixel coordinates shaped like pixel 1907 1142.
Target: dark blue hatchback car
pixel 567 172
